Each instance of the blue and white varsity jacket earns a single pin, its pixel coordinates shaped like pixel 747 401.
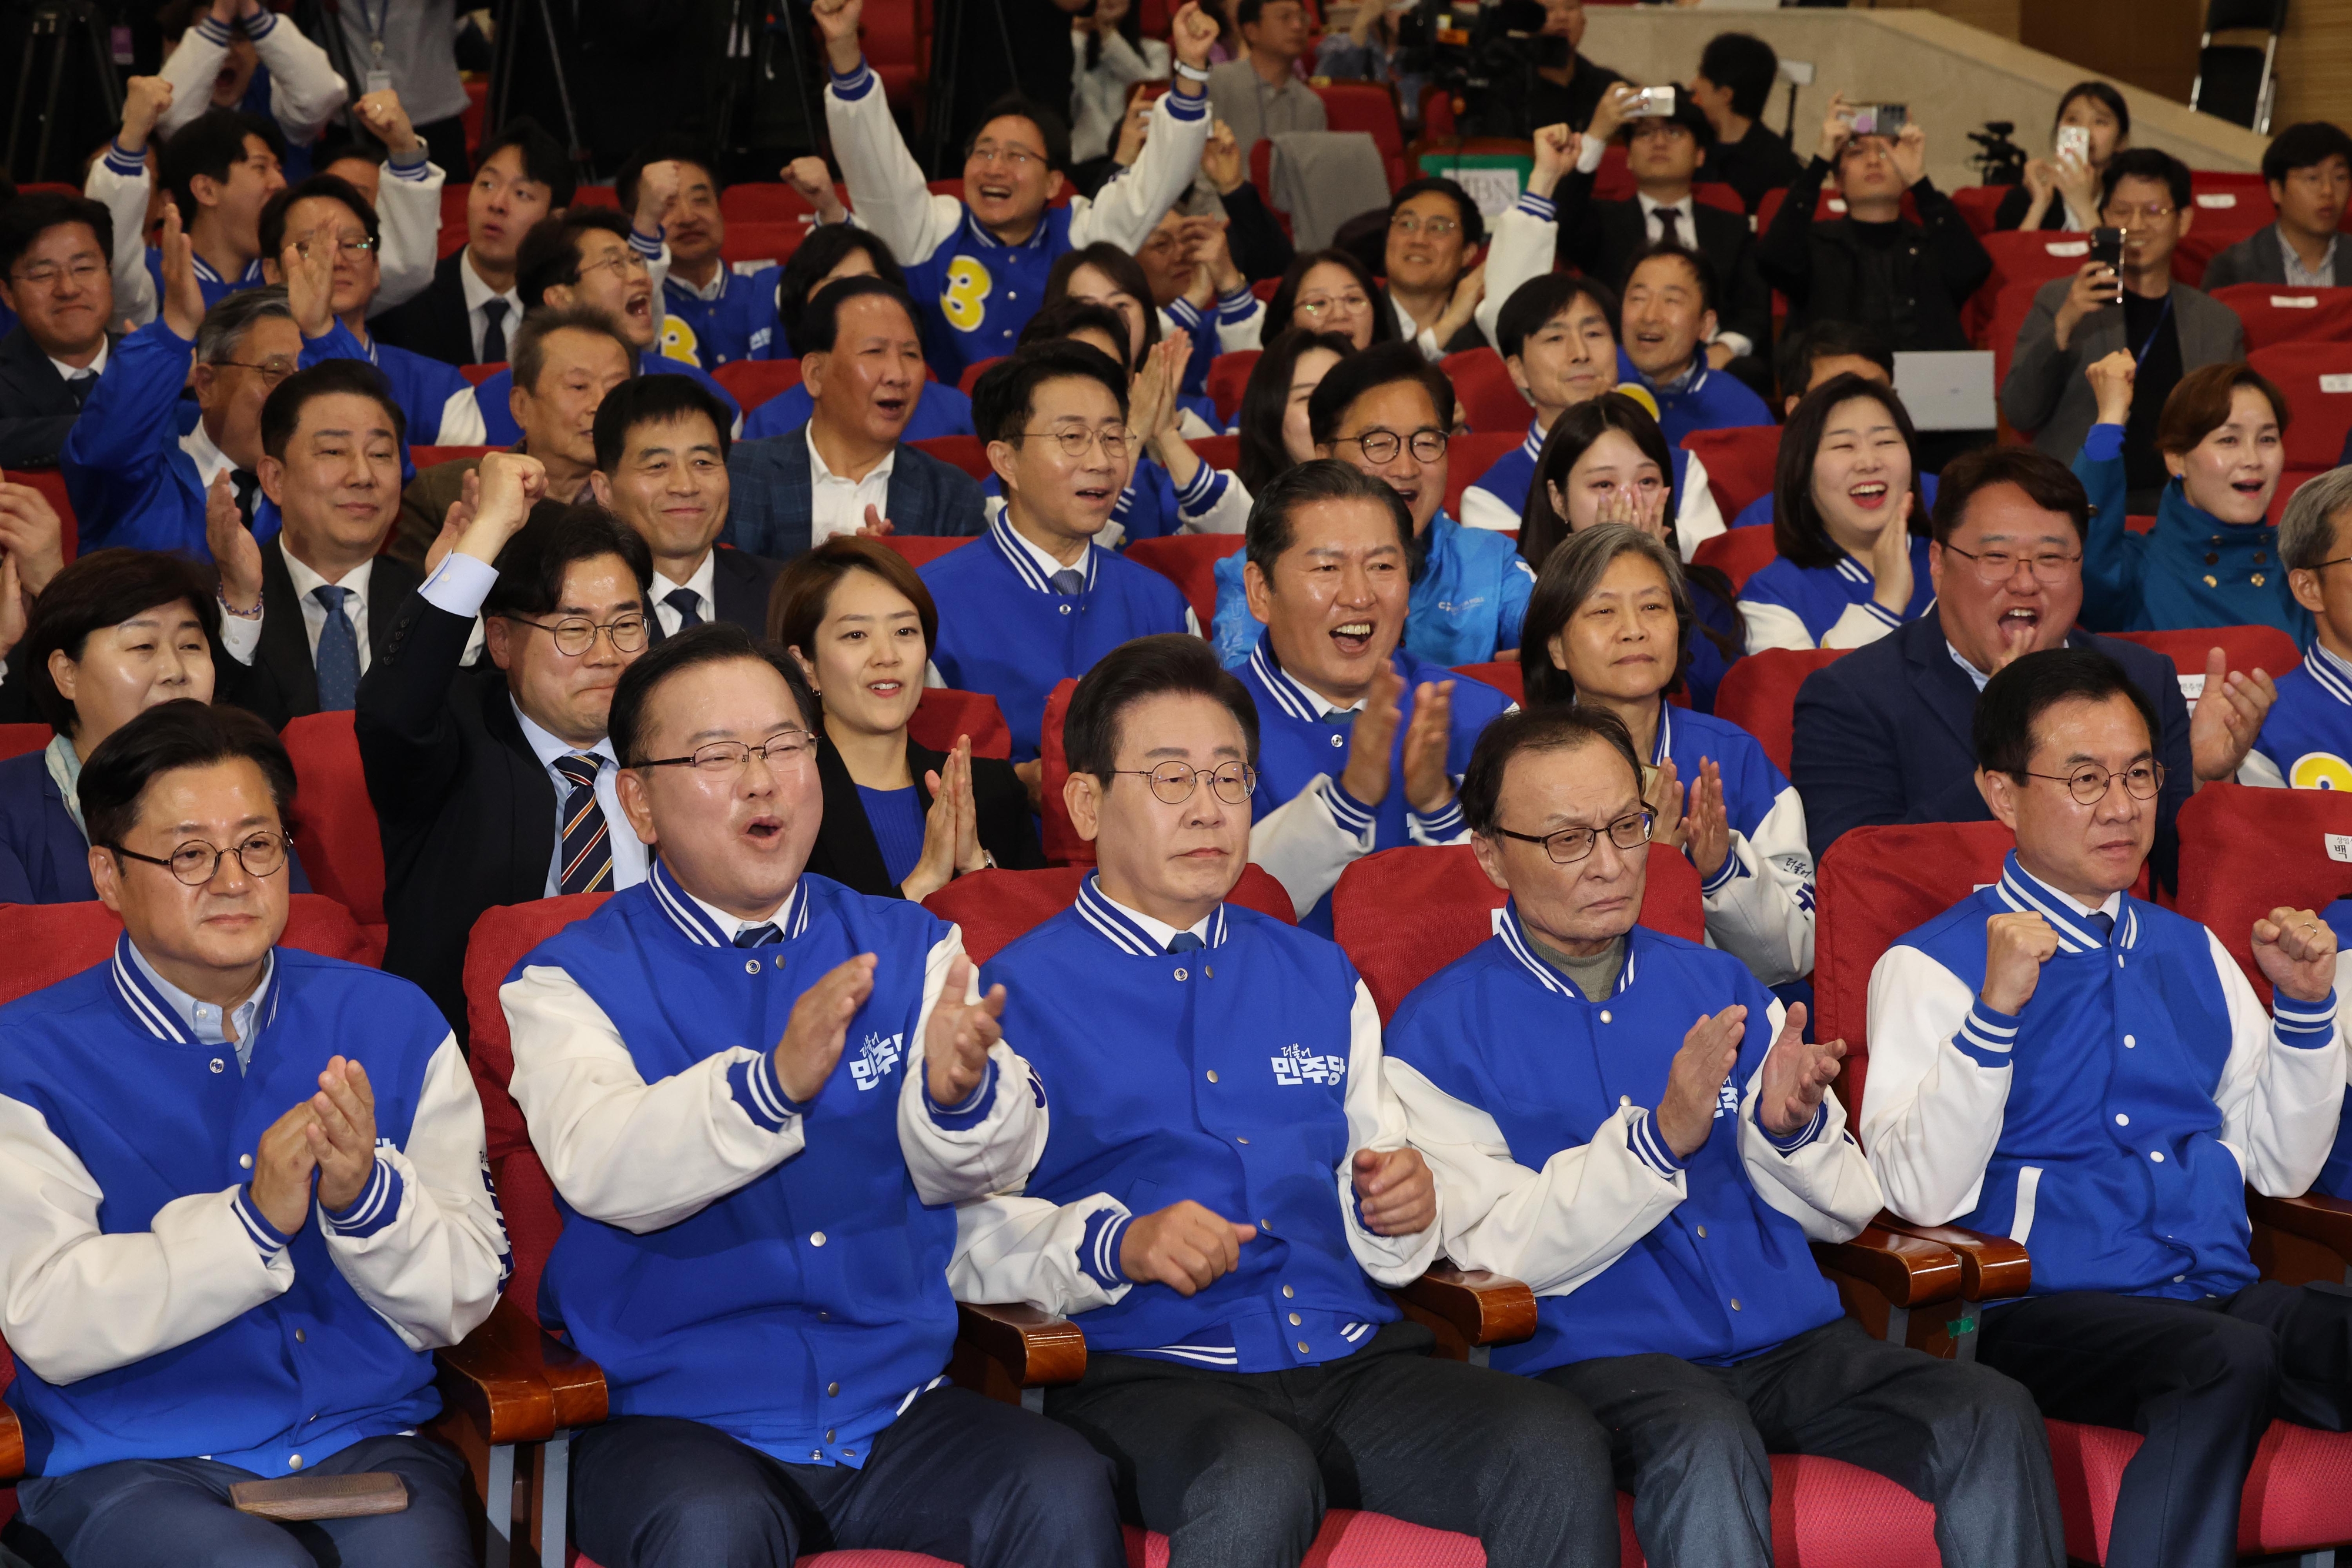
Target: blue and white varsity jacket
pixel 1498 497
pixel 975 292
pixel 437 402
pixel 1244 1076
pixel 940 410
pixel 1791 606
pixel 1532 1105
pixel 773 1269
pixel 1150 506
pixel 733 318
pixel 2113 1125
pixel 154 1312
pixel 494 397
pixel 1306 829
pixel 2335 1176
pixel 1702 398
pixel 2307 738
pixel 1005 632
pixel 1469 602
pixel 1759 904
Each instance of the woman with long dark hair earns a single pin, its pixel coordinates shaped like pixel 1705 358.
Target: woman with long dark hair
pixel 1102 273
pixel 2061 192
pixel 1273 415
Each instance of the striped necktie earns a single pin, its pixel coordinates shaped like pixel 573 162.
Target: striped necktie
pixel 760 935
pixel 587 847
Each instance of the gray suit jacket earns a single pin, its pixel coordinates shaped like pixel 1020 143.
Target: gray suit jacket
pixel 2047 391
pixel 2253 259
pixel 770 510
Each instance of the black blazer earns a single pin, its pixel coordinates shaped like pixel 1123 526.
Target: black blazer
pixel 467 814
pixel 283 680
pixel 1820 265
pixel 1758 162
pixel 434 323
pixel 740 581
pixel 1601 239
pixel 846 851
pixel 1883 735
pixel 770 510
pixel 36 410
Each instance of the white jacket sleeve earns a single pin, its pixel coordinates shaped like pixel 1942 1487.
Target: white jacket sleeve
pixel 1860 626
pixel 1696 517
pixel 424 1245
pixel 1308 840
pixel 1773 626
pixel 1130 207
pixel 1375 1120
pixel 2261 772
pixel 632 1154
pixel 76 1302
pixel 1760 907
pixel 1938 1086
pixel 1215 503
pixel 1821 1180
pixel 1485 510
pixel 191 67
pixel 305 89
pixel 990 1143
pixel 408 212
pixel 119 183
pixel 886 184
pixel 2282 1090
pixel 1011 1249
pixel 1519 248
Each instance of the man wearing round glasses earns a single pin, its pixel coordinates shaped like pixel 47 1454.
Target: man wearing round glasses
pixel 1655 1182
pixel 2306 740
pixel 2059 1062
pixel 1882 735
pixel 1230 1184
pixel 244 1191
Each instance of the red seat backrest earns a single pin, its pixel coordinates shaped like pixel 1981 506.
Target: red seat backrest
pixel 1229 377
pixel 1738 553
pixel 2023 255
pixel 2248 647
pixel 769 202
pixel 2228 206
pixel 2011 307
pixel 1453 907
pixel 425 457
pixel 15 740
pixel 1216 450
pixel 477 374
pixel 2275 314
pixel 1484 390
pixel 1978 204
pixel 762 242
pixel 1716 194
pixel 942 712
pixel 2244 852
pixel 52 942
pixel 998 907
pixel 968 453
pixel 51 483
pixel 1740 462
pixel 2317 380
pixel 1468 456
pixel 1758 693
pixel 596 197
pixel 1504 675
pixel 1056 835
pixel 971 379
pixel 335 823
pixel 754 381
pixel 501 937
pixel 921 549
pixel 1189 562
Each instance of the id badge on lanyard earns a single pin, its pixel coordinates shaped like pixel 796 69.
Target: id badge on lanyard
pixel 379 76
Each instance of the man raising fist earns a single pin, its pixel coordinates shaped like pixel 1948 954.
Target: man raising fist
pixel 2056 1061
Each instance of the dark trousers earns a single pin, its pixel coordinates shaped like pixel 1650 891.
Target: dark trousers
pixel 2198 1380
pixel 175 1513
pixel 1690 1443
pixel 1236 1468
pixel 957 1476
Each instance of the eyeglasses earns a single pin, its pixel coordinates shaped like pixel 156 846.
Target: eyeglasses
pixel 622 262
pixel 1382 445
pixel 575 634
pixel 1570 846
pixel 2125 217
pixel 193 863
pixel 1076 439
pixel 1413 223
pixel 1174 782
pixel 1998 565
pixel 2089 785
pixel 46 276
pixel 359 246
pixel 270 370
pixel 725 758
pixel 1321 305
pixel 1013 158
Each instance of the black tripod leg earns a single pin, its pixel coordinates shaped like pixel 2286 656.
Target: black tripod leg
pixel 18 104
pixel 102 56
pixel 60 39
pixel 578 149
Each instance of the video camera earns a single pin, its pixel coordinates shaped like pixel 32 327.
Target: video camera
pixel 1464 47
pixel 2001 161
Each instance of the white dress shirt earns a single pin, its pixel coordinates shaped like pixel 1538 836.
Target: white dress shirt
pixel 836 503
pixel 209 459
pixel 479 293
pixel 97 367
pixel 703 585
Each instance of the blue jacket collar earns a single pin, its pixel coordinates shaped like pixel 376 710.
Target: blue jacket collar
pixel 1515 942
pixel 1115 925
pixel 696 924
pixel 1026 567
pixel 2028 895
pixel 162 1017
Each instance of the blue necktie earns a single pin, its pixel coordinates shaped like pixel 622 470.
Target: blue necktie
pixel 1184 942
pixel 1069 582
pixel 338 653
pixel 688 605
pixel 2103 923
pixel 587 847
pixel 759 936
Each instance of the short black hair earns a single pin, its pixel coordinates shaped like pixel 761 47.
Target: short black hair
pixel 281 413
pixel 2300 145
pixel 328 187
pixel 549 256
pixel 2047 483
pixel 1559 728
pixel 528 346
pixel 654 400
pixel 1744 62
pixel 670 147
pixel 532 567
pixel 1054 130
pixel 1268 533
pixel 102 588
pixel 1710 287
pixel 1066 319
pixel 25 219
pixel 211 144
pixel 1686 114
pixel 1006 394
pixel 1173 663
pixel 2014 700
pixel 1368 370
pixel 1830 339
pixel 712 642
pixel 2103 94
pixel 366 149
pixel 165 739
pixel 1473 222
pixel 1799 531
pixel 820 322
pixel 818 254
pixel 2148 164
pixel 544 161
pixel 1535 304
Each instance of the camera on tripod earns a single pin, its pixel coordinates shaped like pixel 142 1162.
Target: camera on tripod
pixel 2001 161
pixel 1461 47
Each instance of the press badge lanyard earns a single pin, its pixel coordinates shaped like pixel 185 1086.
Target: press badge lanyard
pixel 373 21
pixel 2154 333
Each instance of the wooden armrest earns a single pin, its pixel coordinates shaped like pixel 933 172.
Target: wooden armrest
pixel 1906 1269
pixel 12 1446
pixel 1992 1268
pixel 1468 1307
pixel 498 1378
pixel 2327 1221
pixel 1002 1349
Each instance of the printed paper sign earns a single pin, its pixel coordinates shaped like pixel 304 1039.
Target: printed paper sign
pixel 1495 190
pixel 2339 846
pixel 2068 247
pixel 2191 688
pixel 2294 301
pixel 2335 383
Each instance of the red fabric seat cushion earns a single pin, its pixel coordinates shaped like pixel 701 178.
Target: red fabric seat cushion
pixel 2294 1500
pixel 2244 852
pixel 1740 462
pixel 1349 1539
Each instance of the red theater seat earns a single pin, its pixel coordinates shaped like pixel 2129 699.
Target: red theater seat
pixel 15 740
pixel 1978 204
pixel 1056 835
pixel 973 373
pixel 477 374
pixel 2244 852
pixel 1758 693
pixel 422 457
pixel 2249 648
pixel 921 549
pixel 52 942
pixel 1189 562
pixel 1738 553
pixel 1504 675
pixel 1486 395
pixel 335 823
pixel 2031 257
pixel 968 453
pixel 1468 456
pixel 1370 108
pixel 754 381
pixel 1229 377
pixel 2275 314
pixel 2317 380
pixel 1740 463
pixel 998 907
pixel 51 483
pixel 770 202
pixel 762 242
pixel 942 714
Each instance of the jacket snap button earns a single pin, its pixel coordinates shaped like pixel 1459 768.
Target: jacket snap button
pixel 2157 1155
pixel 218 1065
pixel 1296 1320
pixel 1212 1075
pixel 751 965
pixel 1184 974
pixel 244 1162
pixel 2122 1120
pixel 816 1239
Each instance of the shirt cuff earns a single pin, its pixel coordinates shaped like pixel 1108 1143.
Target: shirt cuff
pixel 971 1113
pixel 267 1239
pixel 650 249
pixel 1098 1248
pixel 213 31
pixel 1984 1036
pixel 764 1098
pixel 2103 443
pixel 856 85
pixel 1872 607
pixel 1187 106
pixel 1588 156
pixel 1642 1138
pixel 1442 823
pixel 1205 485
pixel 1184 313
pixel 2305 1025
pixel 1352 815
pixel 241 638
pixel 374 1209
pixel 460 584
pixel 1801 1136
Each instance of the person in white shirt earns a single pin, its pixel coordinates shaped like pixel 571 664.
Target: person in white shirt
pixel 661 468
pixel 212 63
pixel 1104 65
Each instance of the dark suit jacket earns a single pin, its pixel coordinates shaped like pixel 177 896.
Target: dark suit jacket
pixel 2046 391
pixel 434 323
pixel 43 859
pixel 740 581
pixel 1601 238
pixel 468 812
pixel 770 512
pixel 1820 265
pixel 846 849
pixel 283 681
pixel 37 411
pixel 1884 736
pixel 2253 259
pixel 1758 162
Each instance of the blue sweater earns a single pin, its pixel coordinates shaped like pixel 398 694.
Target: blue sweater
pixel 940 410
pixel 1468 603
pixel 494 395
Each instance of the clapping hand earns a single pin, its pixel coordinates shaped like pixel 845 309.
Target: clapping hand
pixel 956 1043
pixel 1796 1075
pixel 2229 717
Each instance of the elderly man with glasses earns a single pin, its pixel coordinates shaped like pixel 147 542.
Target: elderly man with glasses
pixel 1882 735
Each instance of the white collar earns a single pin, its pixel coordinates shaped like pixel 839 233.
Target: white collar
pixel 210 460
pixel 704 582
pixel 714 290
pixel 478 291
pixel 1159 931
pixel 735 925
pixel 2026 892
pixel 820 473
pixel 2333 674
pixel 97 367
pixel 1684 209
pixel 306 580
pixel 1979 676
pixel 1035 565
pixel 1290 693
pixel 707 924
pixel 547 748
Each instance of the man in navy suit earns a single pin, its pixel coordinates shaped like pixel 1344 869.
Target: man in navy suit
pixel 1884 734
pixel 661 468
pixel 54 278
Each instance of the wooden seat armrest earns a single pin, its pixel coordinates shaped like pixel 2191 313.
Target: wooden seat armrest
pixel 1002 1349
pixel 12 1446
pixel 2326 1220
pixel 1992 1268
pixel 1466 1307
pixel 1905 1269
pixel 494 1378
